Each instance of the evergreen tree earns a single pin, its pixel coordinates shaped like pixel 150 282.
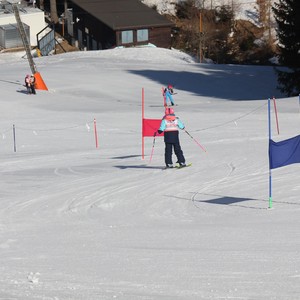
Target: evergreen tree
pixel 287 14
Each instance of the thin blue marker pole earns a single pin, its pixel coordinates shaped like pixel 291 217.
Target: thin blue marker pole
pixel 270 172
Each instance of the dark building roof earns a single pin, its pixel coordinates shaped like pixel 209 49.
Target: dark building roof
pixel 123 14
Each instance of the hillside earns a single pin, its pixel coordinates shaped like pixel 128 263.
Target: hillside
pixel 244 9
pixel 235 31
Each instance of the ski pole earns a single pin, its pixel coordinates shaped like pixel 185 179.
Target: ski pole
pixel 152 147
pixel 195 141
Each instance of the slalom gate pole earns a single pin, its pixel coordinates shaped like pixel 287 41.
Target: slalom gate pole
pixel 143 116
pixel 270 172
pixel 163 94
pixel 274 101
pixel 152 150
pixel 195 140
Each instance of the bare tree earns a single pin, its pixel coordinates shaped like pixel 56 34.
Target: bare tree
pixel 262 11
pixel 42 4
pixel 264 16
pixel 53 11
pixel 203 32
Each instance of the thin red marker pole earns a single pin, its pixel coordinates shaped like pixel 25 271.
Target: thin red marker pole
pixel 96 135
pixel 274 101
pixel 164 96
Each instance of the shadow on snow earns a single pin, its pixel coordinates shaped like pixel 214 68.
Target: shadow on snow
pixel 232 82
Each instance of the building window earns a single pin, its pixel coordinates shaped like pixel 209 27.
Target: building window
pixel 142 35
pixel 127 37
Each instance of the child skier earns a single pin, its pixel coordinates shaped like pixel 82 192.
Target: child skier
pixel 32 84
pixel 169 125
pixel 168 95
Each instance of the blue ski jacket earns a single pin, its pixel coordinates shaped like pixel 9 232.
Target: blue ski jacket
pixel 170 127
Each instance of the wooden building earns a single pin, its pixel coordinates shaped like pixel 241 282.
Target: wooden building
pixel 103 24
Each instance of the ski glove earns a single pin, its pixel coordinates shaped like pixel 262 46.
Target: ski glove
pixel 159 131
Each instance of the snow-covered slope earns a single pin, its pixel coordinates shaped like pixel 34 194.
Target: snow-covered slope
pixel 80 222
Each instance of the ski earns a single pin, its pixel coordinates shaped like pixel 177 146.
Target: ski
pixel 177 166
pixel 168 106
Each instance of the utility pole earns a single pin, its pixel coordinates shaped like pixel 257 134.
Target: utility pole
pixel 201 32
pixel 39 83
pixel 200 36
pixel 24 37
pixel 269 15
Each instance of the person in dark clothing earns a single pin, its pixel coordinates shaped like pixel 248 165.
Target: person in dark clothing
pixel 27 84
pixel 170 125
pixel 32 84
